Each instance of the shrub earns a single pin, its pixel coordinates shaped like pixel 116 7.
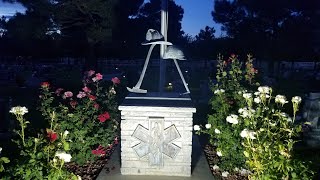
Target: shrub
pixel 223 130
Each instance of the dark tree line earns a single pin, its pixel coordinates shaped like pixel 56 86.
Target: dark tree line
pixel 270 29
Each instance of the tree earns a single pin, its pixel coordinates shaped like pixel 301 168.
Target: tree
pixel 264 27
pixel 86 23
pixel 203 46
pixel 137 17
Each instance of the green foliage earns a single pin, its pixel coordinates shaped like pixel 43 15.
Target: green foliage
pixel 227 100
pixel 3 160
pixel 91 117
pixel 269 137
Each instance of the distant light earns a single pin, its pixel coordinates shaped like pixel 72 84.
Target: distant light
pixel 186 71
pixel 116 68
pixel 124 76
pixel 187 84
pixel 170 84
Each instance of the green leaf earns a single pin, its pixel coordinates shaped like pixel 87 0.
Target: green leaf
pixel 224 74
pixel 66 146
pixel 5 159
pixel 230 72
pixel 246 154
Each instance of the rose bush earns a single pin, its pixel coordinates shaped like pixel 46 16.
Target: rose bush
pixel 39 156
pixel 90 115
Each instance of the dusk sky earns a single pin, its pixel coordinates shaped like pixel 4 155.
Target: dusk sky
pixel 196 15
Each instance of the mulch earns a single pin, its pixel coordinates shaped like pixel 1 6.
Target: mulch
pixel 91 170
pixel 213 159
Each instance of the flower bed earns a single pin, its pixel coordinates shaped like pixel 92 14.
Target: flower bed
pixel 250 134
pixel 80 135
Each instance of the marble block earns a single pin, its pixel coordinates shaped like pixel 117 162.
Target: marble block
pixel 156 135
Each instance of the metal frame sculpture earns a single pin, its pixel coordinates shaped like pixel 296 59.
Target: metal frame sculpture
pixel 153 37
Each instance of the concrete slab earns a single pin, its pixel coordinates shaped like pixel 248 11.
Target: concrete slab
pixel 200 167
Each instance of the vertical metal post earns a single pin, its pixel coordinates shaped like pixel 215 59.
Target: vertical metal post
pixel 164 28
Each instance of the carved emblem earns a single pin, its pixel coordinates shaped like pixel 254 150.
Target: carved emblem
pixel 156 141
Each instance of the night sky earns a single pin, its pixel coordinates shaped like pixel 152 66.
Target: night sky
pixel 196 15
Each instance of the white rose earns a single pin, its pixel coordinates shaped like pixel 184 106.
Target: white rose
pixel 233 119
pixel 217 131
pixel 225 174
pixel 208 126
pixel 63 156
pixel 219 153
pixel 196 127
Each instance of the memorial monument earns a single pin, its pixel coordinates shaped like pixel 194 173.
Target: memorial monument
pixel 156 127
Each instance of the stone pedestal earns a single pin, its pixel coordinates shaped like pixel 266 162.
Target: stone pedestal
pixel 156 135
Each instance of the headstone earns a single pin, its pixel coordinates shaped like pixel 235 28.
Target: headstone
pixel 311 113
pixel 156 135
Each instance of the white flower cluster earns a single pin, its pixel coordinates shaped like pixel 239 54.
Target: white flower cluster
pixel 248 134
pixel 18 110
pixel 264 89
pixel 257 100
pixel 281 99
pixel 219 91
pixel 246 112
pixel 63 156
pixel 247 95
pixel 208 126
pixel 233 119
pixel 296 99
pixel 0 150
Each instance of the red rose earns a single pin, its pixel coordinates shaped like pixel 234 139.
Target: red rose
pixel 92 97
pixel 103 117
pixel 52 135
pixel 45 84
pixel 115 80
